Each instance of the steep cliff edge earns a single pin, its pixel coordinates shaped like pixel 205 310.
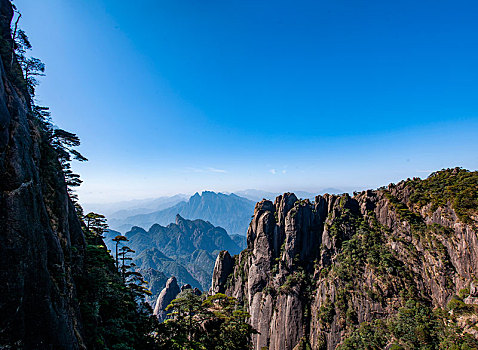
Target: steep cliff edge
pixel 41 241
pixel 315 273
pixel 168 294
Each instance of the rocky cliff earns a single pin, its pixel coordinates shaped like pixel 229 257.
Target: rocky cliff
pixel 316 272
pixel 41 240
pixel 169 292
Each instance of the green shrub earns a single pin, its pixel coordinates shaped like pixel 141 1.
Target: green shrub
pixel 326 313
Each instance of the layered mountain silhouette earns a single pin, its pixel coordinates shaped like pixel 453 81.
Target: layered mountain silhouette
pixel 186 249
pixel 229 211
pixel 258 195
pixel 123 209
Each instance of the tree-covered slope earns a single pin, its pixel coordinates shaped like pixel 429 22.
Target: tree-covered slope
pixel 390 268
pixel 160 265
pixel 42 244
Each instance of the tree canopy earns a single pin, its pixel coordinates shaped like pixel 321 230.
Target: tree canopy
pixel 198 322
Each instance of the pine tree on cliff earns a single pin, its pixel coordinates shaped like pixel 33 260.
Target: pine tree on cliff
pixel 118 239
pixel 96 223
pixel 124 258
pixel 62 141
pixel 113 314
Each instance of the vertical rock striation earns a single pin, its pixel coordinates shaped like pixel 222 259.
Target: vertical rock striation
pixel 312 272
pixel 168 294
pixel 41 240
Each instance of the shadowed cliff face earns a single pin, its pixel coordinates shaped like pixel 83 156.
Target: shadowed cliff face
pixel 312 272
pixel 41 241
pixel 168 294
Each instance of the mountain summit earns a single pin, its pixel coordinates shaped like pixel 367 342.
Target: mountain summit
pixel 186 249
pixel 228 211
pixel 362 272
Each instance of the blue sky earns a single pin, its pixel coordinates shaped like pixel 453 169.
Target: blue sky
pixel 180 96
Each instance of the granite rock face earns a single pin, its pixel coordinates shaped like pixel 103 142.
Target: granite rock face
pixel 222 269
pixel 41 241
pixel 314 270
pixel 168 294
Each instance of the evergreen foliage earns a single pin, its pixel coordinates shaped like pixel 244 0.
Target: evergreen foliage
pixel 198 323
pixel 113 310
pixel 415 326
pixel 59 145
pixel 111 295
pixel 456 186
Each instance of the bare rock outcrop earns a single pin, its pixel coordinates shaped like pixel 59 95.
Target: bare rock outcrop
pixel 222 269
pixel 186 287
pixel 42 245
pixel 168 294
pixel 314 271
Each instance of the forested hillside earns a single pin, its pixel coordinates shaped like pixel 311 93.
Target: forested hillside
pixel 186 249
pixel 393 268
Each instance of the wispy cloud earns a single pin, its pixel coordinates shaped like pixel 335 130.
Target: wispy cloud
pixel 215 170
pixel 206 170
pixel 275 171
pixel 193 170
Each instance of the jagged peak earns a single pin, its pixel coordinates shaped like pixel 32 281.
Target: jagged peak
pixel 286 201
pixel 265 205
pixel 169 293
pixel 179 219
pixel 171 281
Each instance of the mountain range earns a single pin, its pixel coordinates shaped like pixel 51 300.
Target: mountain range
pixel 186 249
pixel 391 268
pixel 258 195
pixel 228 211
pixel 123 209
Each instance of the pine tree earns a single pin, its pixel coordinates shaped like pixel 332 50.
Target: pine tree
pixel 118 239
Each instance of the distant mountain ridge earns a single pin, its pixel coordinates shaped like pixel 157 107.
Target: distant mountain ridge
pixel 122 209
pixel 186 249
pixel 228 211
pixel 258 195
pixel 182 237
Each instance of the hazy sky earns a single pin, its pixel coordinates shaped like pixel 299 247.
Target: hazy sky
pixel 181 96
